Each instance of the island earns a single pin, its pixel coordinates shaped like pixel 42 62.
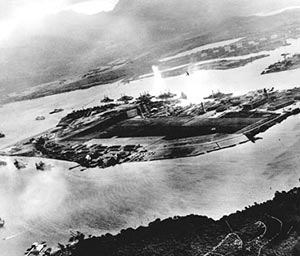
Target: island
pixel 149 128
pixel 223 64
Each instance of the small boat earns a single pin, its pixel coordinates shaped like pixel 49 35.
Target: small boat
pixel 19 165
pixel 106 100
pixel 39 118
pixel 56 110
pixel 125 98
pixel 2 163
pixel 183 96
pixel 40 166
pixel 2 135
pixel 2 222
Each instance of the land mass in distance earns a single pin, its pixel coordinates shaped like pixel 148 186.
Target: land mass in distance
pixel 133 68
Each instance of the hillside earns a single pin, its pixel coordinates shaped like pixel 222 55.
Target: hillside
pixel 69 44
pixel 271 228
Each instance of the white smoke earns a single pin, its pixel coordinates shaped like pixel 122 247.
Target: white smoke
pixel 44 193
pixel 27 194
pixel 159 85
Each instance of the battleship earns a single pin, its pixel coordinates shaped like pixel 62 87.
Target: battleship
pixel 125 98
pixel 166 95
pixel 288 63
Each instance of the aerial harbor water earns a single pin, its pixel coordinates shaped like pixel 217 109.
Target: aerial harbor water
pixel 40 206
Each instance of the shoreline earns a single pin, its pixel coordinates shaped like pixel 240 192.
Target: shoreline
pixel 45 144
pixel 156 166
pixel 129 71
pixel 185 164
pixel 268 224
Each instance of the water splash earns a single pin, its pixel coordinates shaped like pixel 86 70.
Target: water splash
pixel 44 192
pixel 159 85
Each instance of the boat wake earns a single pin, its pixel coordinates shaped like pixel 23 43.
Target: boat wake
pixel 14 236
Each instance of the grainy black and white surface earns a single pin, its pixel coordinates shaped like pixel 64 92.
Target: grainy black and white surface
pixel 150 110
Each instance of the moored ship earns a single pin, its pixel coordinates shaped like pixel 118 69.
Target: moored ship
pixel 2 222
